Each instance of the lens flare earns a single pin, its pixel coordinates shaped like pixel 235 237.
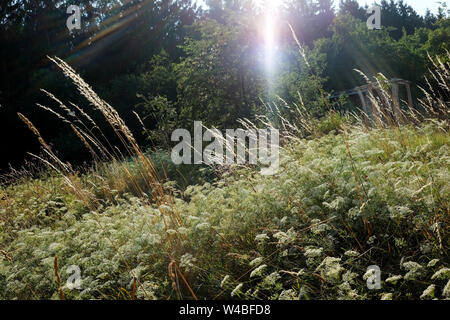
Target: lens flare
pixel 270 39
pixel 269 31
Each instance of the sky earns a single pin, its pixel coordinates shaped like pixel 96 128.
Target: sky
pixel 419 5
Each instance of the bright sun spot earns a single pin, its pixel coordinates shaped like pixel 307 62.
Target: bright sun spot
pixel 270 23
pixel 270 8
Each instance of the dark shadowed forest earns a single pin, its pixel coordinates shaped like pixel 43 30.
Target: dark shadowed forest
pixel 172 61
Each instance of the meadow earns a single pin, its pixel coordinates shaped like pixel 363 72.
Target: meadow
pixel 352 191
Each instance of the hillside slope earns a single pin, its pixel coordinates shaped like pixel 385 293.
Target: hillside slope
pixel 339 204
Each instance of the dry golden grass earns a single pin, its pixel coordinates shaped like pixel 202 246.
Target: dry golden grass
pixel 145 181
pixel 58 278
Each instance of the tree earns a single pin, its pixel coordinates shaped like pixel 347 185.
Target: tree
pixel 310 19
pixel 116 38
pixel 400 16
pixel 220 79
pixel 353 46
pixel 353 8
pixel 438 42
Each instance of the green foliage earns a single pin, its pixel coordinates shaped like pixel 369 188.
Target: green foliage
pixel 332 122
pixel 353 46
pixel 163 113
pixel 295 78
pixel 309 232
pixel 438 41
pixel 317 207
pixel 183 175
pixel 209 64
pixel 88 243
pixel 219 80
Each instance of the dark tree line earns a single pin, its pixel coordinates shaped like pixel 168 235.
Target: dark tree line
pixel 174 62
pixel 114 40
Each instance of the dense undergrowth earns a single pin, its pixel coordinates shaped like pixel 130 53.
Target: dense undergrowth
pixel 351 192
pixel 309 232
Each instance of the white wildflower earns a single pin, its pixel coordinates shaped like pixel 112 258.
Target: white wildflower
pixel 446 291
pixel 432 263
pixel 261 238
pixel 428 293
pixel 256 262
pixel 394 279
pixel 386 296
pixel 146 290
pixel 442 274
pixel 54 247
pixel 281 236
pixel 411 266
pixel 202 226
pixel 347 293
pixel 183 230
pixel 311 252
pixel 331 269
pixel 286 237
pixel 349 277
pixel 369 273
pixel 320 228
pixel 258 271
pixel 272 279
pixel 351 253
pixel 288 295
pixel 354 213
pixel 224 281
pixel 399 212
pixel 415 270
pixel 371 240
pixel 193 218
pixel 187 261
pixel 336 204
pixel 237 290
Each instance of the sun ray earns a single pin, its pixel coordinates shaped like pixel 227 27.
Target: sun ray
pixel 270 37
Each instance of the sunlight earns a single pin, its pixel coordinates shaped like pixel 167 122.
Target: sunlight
pixel 270 41
pixel 270 7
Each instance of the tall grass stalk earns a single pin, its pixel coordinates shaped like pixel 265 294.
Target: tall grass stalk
pixel 150 191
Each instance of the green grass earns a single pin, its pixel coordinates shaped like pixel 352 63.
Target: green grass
pixel 309 232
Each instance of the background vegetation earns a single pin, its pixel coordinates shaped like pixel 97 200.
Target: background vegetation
pixel 165 58
pixel 353 190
